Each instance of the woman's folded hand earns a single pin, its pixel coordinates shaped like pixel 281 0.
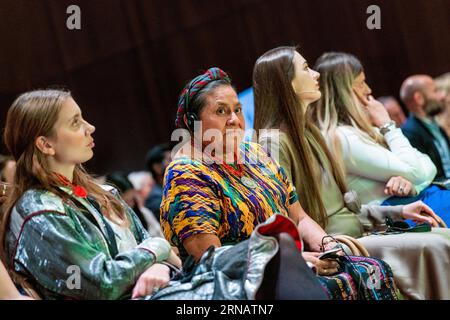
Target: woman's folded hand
pixel 154 278
pixel 326 267
pixel 419 212
pixel 399 186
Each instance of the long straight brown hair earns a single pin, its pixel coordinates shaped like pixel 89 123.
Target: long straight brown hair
pixel 277 106
pixel 33 114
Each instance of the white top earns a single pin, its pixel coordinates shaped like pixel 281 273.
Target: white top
pixel 124 237
pixel 369 165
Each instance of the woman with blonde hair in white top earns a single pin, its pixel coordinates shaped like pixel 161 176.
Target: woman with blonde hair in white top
pixel 380 163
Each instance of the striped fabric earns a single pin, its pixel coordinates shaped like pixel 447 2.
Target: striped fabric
pixel 193 88
pixel 206 198
pixel 360 278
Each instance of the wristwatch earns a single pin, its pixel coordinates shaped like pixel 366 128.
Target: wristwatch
pixel 385 128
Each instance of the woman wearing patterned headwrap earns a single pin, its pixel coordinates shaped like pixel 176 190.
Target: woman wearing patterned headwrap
pixel 217 196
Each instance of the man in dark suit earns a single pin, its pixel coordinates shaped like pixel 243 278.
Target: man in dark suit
pixel 424 101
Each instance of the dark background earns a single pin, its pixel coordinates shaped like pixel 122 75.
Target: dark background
pixel 131 58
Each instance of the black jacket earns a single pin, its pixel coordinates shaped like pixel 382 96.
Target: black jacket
pixel 422 139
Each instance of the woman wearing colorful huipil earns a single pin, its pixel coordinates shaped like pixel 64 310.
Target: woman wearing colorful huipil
pixel 218 189
pixel 321 184
pixel 68 236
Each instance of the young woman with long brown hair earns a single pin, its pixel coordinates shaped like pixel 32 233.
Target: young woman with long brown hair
pixel 285 87
pixel 59 222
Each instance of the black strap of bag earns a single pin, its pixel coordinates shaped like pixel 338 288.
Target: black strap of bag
pixel 288 277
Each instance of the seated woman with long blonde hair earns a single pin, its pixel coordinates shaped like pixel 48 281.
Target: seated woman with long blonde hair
pixel 380 163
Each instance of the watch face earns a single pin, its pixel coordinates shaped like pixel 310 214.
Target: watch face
pixel 387 127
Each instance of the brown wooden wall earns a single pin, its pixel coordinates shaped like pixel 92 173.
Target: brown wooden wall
pixel 131 58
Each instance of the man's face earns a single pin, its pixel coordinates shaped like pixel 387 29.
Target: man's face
pixel 433 98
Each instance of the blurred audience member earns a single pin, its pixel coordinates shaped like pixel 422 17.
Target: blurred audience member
pixel 443 83
pixel 7 169
pixel 3 194
pixel 126 189
pixel 425 101
pixel 130 195
pixel 143 183
pixel 157 159
pixel 394 109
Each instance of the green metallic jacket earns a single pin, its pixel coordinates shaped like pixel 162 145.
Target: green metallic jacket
pixel 65 248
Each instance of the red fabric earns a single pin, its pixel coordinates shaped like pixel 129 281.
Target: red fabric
pixel 79 191
pixel 279 225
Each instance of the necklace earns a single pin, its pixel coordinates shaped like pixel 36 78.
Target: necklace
pixel 248 182
pixel 77 190
pixel 239 172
